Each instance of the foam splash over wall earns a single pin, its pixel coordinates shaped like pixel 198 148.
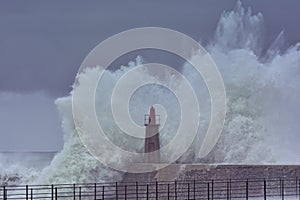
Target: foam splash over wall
pixel 261 124
pixel 262 105
pixel 239 29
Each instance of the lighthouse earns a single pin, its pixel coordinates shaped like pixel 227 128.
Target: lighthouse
pixel 152 137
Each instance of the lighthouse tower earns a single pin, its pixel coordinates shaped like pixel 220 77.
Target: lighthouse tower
pixel 152 137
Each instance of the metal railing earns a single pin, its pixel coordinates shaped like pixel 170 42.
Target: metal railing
pixel 147 120
pixel 183 189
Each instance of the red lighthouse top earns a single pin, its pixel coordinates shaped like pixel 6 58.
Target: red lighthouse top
pixel 152 116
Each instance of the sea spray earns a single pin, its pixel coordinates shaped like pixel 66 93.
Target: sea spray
pixel 256 90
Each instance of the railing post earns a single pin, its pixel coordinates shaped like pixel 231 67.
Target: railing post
pixel 156 189
pixel 26 192
pixel 117 190
pixel 212 189
pixel 208 196
pixel 103 192
pixel 247 189
pixel 55 193
pixel 137 190
pixel 52 192
pixel 188 190
pixel 227 189
pixel 4 193
pixel 147 193
pixel 175 185
pixel 265 190
pixel 168 191
pixel 79 193
pixel 31 194
pixel 74 192
pixel 280 187
pixel 95 191
pixel 125 192
pixel 194 189
pixel 282 197
pixel 299 189
pixel 296 187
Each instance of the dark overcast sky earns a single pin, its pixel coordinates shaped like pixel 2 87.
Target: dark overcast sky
pixel 42 44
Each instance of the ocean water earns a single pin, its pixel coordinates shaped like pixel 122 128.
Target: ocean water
pixel 22 167
pixel 261 124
